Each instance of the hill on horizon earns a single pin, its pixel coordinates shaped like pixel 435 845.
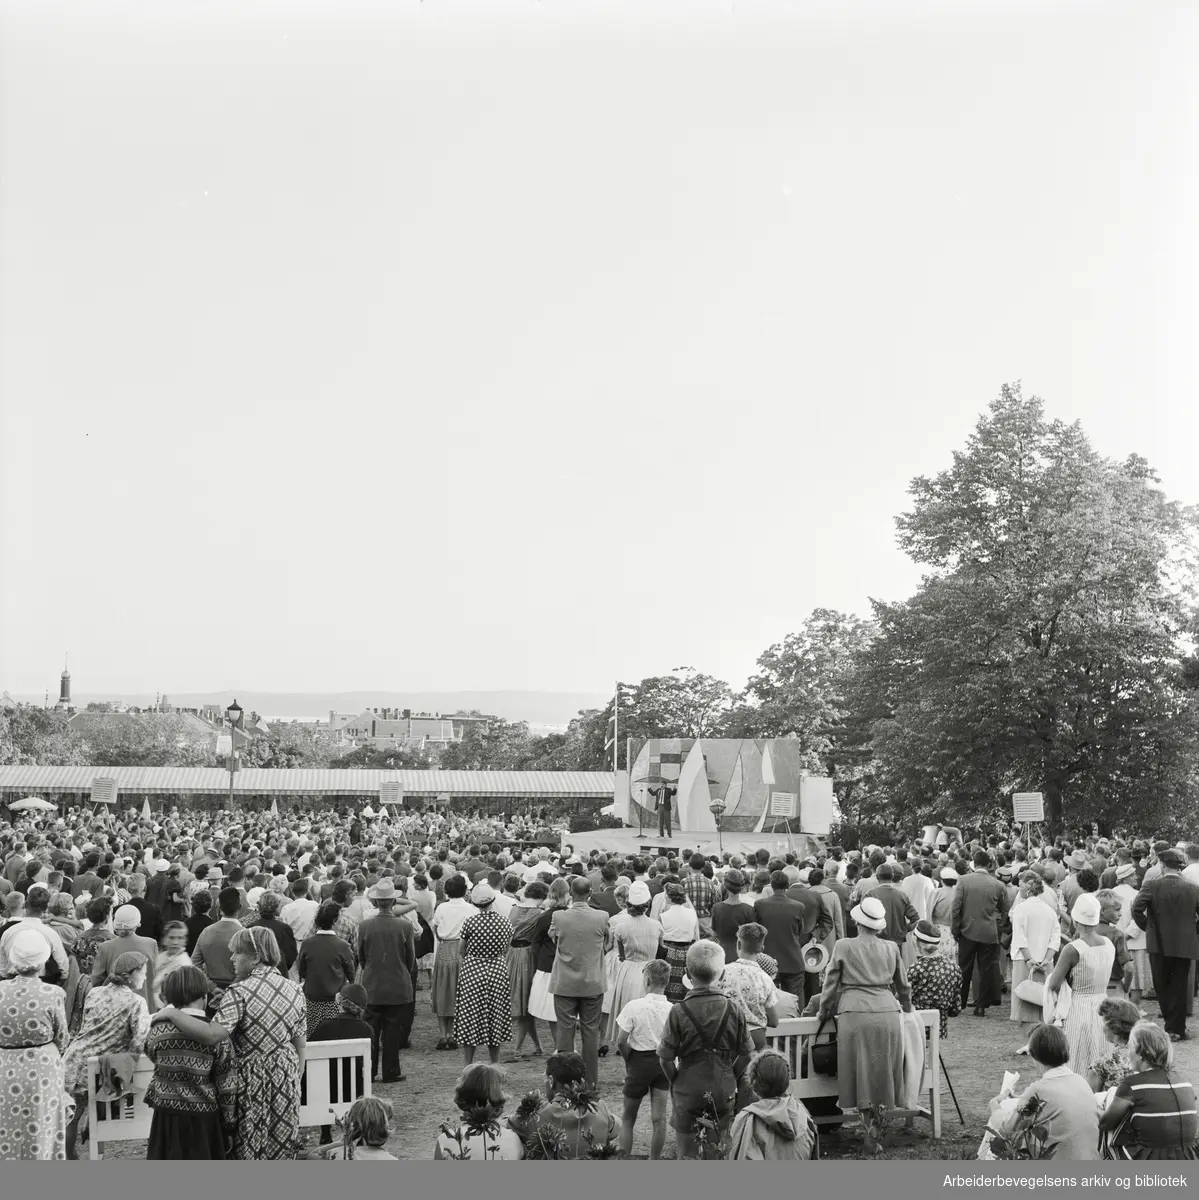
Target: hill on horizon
pixel 537 708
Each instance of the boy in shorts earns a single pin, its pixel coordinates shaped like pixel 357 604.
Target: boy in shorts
pixel 640 1026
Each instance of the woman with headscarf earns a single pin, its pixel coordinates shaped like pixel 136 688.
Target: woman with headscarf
pixel 521 964
pixel 125 940
pixel 680 931
pixel 483 1012
pixel 263 1013
pixel 866 988
pixel 1087 962
pixel 33 1109
pixel 115 1021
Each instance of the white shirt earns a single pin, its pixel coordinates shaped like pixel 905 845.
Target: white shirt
pixel 300 917
pixel 679 923
pixel 644 1020
pixel 1134 935
pixel 448 918
pixel 919 889
pixel 1191 872
pixel 503 904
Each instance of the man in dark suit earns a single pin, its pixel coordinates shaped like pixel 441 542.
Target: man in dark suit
pixel 387 952
pixel 901 913
pixel 605 899
pixel 980 903
pixel 788 923
pixel 1167 908
pixel 151 926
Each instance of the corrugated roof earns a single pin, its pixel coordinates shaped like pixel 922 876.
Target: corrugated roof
pixel 214 780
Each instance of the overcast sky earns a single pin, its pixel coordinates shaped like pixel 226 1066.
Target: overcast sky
pixel 535 345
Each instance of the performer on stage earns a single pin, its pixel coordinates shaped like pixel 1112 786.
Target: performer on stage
pixel 662 794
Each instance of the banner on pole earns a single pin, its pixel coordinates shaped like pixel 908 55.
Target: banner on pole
pixel 1028 807
pixel 782 804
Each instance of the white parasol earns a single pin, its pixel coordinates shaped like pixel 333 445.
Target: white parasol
pixel 35 803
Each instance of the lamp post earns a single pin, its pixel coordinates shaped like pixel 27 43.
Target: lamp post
pixel 716 808
pixel 233 714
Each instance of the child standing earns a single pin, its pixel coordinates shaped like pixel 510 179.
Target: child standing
pixel 639 1031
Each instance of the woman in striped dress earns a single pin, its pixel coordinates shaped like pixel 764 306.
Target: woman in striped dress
pixel 483 1013
pixel 1153 1113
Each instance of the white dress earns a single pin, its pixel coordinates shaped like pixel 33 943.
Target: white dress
pixel 1083 1025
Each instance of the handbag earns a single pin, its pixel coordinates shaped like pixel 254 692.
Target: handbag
pixel 1032 991
pixel 824 1054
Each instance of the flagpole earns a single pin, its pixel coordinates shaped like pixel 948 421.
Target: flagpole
pixel 616 729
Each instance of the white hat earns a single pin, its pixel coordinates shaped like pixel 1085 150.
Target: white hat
pixel 162 865
pixel 1085 910
pixel 128 916
pixel 252 896
pixel 870 913
pixel 639 893
pixel 482 894
pixel 948 873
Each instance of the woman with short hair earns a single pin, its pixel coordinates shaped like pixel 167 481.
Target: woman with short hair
pixel 680 931
pixel 1119 1017
pixel 325 965
pixel 1059 1104
pixel 1153 1113
pixel 480 1099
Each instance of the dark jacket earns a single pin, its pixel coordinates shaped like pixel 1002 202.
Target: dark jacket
pixel 151 926
pixel 980 903
pixel 286 939
pixel 1167 908
pixel 784 919
pixel 387 949
pixel 901 913
pixel 605 900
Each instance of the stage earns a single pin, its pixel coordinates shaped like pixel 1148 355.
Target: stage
pixel 648 844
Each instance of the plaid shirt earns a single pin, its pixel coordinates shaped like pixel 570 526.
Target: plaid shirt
pixel 702 892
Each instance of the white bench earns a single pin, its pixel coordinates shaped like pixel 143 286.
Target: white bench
pixel 795 1038
pixel 335 1075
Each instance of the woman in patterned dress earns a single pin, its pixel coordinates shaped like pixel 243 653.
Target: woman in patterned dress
pixel 115 1021
pixel 483 1008
pixel 85 955
pixel 1088 962
pixel 680 930
pixel 935 980
pixel 1110 1068
pixel 33 1036
pixel 263 1013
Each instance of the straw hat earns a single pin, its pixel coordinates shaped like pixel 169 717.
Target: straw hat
pixel 1085 910
pixel 383 890
pixel 870 914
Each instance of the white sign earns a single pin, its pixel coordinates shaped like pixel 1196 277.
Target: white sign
pixel 816 804
pixel 104 790
pixel 1028 807
pixel 782 804
pixel 390 792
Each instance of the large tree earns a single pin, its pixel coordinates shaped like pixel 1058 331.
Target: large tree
pixel 1043 649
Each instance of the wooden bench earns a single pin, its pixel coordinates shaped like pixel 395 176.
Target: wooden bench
pixel 335 1075
pixel 795 1038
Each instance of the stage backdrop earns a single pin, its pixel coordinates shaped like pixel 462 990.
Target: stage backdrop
pixel 744 773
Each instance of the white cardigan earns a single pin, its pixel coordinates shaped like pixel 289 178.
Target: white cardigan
pixel 1035 930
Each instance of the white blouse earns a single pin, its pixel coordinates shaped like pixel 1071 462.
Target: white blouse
pixel 679 923
pixel 1035 930
pixel 448 918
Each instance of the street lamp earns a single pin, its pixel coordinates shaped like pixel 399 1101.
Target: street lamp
pixel 716 808
pixel 233 714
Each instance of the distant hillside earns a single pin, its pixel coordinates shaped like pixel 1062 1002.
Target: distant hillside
pixel 538 708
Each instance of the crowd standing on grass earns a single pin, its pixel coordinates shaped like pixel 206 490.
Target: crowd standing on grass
pixel 220 947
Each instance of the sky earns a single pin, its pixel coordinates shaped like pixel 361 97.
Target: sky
pixel 537 345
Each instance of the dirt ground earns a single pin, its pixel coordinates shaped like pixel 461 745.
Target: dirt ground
pixel 976 1054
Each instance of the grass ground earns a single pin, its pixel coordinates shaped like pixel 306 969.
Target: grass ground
pixel 976 1053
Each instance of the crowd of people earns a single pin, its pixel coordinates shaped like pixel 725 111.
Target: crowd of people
pixel 220 947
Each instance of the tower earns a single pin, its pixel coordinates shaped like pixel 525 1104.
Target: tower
pixel 64 691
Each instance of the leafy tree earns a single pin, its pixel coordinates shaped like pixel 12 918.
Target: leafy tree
pixel 100 706
pixel 398 758
pixel 35 737
pixel 291 745
pixel 497 746
pixel 148 740
pixel 1043 650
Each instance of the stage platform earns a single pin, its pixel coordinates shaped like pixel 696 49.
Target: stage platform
pixel 629 841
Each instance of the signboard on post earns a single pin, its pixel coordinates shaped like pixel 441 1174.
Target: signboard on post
pixel 391 792
pixel 782 804
pixel 1028 807
pixel 816 804
pixel 104 790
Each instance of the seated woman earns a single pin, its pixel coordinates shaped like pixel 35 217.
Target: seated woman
pixel 479 1096
pixel 574 1122
pixel 1152 1115
pixel 364 1134
pixel 775 1126
pixel 1110 1068
pixel 705 1049
pixel 1059 1104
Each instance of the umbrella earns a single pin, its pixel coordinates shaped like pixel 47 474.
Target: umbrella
pixel 33 802
pixel 274 807
pixel 147 815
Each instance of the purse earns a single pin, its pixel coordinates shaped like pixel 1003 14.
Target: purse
pixel 824 1055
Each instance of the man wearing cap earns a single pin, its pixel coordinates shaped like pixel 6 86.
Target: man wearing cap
pixel 980 903
pixel 1167 908
pixel 387 952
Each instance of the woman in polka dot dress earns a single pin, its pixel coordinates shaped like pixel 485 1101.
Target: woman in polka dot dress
pixel 33 1036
